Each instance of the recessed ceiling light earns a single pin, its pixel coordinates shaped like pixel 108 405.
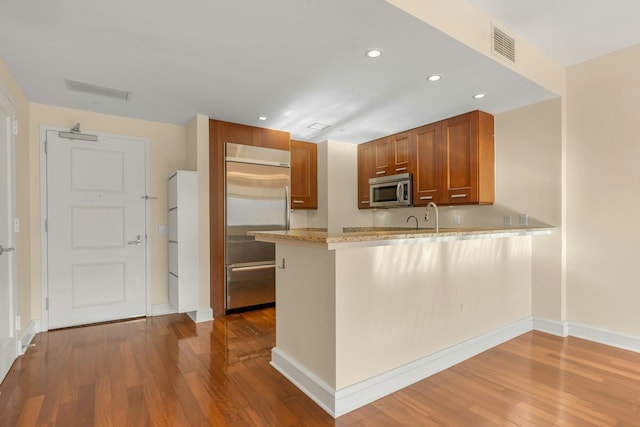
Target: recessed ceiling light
pixel 373 53
pixel 318 126
pixel 434 78
pixel 479 95
pixel 262 118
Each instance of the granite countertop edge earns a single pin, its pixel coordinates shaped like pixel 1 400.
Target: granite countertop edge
pixel 372 234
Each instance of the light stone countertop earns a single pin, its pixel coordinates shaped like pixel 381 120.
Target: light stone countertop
pixel 377 236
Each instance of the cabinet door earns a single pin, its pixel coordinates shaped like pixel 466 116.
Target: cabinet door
pixel 399 146
pixel 381 157
pixel 275 139
pixel 304 175
pixel 428 155
pixel 238 134
pixel 366 170
pixel 461 159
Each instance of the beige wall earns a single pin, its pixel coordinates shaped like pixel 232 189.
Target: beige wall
pixel 167 146
pixel 23 207
pixel 466 23
pixel 603 192
pixel 529 179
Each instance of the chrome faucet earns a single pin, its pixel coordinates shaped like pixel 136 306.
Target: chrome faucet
pixel 426 215
pixel 412 216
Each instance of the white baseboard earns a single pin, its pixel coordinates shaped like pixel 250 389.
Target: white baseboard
pixel 28 335
pixel 552 327
pixel 340 402
pixel 162 309
pixel 603 336
pixel 201 315
pixel 319 391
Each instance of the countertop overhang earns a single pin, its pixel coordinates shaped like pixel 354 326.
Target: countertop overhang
pixel 382 236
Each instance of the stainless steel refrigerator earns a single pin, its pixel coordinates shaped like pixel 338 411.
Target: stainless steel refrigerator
pixel 256 198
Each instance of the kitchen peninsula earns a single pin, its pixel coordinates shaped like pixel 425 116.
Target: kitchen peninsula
pixel 363 314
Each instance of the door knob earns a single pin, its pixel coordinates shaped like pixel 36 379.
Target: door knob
pixel 137 242
pixel 2 250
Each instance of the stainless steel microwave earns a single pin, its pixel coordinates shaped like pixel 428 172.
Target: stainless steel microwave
pixel 390 191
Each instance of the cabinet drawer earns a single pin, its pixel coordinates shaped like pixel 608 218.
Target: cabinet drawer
pixel 173 225
pixel 173 292
pixel 173 258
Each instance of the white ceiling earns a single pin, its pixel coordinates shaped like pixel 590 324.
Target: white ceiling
pixel 295 61
pixel 570 31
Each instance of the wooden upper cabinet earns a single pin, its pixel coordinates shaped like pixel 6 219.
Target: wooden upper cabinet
pixel 452 161
pixel 275 139
pixel 427 153
pixel 381 157
pixel 304 175
pixel 366 170
pixel 251 135
pixel 468 159
pixel 238 134
pixel 399 147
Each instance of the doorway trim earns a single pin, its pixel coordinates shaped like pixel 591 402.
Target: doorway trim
pixel 15 309
pixel 44 323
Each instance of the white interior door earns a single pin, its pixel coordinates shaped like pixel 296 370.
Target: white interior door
pixel 96 229
pixel 8 291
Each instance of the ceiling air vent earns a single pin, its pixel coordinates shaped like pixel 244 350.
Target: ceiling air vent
pixel 98 90
pixel 504 45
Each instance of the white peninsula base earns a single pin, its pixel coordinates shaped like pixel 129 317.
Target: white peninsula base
pixel 356 323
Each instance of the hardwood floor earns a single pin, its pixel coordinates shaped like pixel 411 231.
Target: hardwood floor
pixel 167 371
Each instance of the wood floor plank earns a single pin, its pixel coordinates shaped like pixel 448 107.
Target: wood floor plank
pixel 168 371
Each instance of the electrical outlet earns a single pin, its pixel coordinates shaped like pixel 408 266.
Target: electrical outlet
pixel 524 219
pixel 456 219
pixel 507 220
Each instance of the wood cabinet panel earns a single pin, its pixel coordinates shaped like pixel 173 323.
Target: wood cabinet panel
pixel 366 170
pixel 469 159
pixel 461 159
pixel 219 133
pixel 251 135
pixel 427 153
pixel 399 147
pixel 381 157
pixel 277 139
pixel 238 134
pixel 304 175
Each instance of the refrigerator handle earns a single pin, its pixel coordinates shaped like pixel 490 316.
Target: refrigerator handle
pixel 287 214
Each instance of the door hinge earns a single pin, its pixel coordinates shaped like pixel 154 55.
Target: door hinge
pixel 46 144
pixel 15 127
pixel 46 303
pixel 46 225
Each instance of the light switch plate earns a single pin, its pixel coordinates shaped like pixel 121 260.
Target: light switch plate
pixel 163 229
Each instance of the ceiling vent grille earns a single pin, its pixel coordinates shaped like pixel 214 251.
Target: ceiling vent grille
pixel 504 45
pixel 98 90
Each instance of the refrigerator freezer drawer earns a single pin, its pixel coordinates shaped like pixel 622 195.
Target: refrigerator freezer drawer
pixel 250 285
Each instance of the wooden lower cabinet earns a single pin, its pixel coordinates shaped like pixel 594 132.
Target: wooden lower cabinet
pixel 304 175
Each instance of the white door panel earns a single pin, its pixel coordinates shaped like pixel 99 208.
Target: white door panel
pixel 8 292
pixel 95 210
